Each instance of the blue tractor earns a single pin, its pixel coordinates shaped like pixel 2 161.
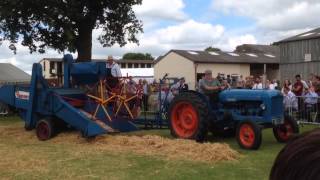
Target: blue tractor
pixel 239 112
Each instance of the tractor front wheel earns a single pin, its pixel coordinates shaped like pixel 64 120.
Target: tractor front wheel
pixel 249 135
pixel 44 129
pixel 188 117
pixel 285 131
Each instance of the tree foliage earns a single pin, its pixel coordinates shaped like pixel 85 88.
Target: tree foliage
pixel 212 49
pixel 68 24
pixel 138 56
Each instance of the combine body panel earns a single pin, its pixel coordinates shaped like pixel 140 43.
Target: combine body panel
pixel 42 107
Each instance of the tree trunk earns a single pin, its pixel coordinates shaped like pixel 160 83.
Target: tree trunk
pixel 84 44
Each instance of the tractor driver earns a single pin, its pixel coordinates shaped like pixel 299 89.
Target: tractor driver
pixel 113 72
pixel 210 86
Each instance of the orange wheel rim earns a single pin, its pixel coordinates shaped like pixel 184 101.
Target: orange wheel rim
pixel 247 135
pixel 184 120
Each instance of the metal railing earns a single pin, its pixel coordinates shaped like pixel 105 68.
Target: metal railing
pixel 304 109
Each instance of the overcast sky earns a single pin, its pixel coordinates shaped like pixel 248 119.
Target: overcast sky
pixel 197 24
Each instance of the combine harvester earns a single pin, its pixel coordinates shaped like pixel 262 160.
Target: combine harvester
pixel 84 102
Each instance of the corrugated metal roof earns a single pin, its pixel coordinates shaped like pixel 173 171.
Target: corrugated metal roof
pixel 11 74
pixel 313 34
pixel 258 48
pixel 228 58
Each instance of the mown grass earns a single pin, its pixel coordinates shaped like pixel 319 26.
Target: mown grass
pixel 27 158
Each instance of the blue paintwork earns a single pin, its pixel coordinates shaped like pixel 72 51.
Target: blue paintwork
pixel 244 104
pixel 272 100
pixel 68 60
pixel 43 101
pixel 88 72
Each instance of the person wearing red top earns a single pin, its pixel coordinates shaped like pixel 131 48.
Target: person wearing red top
pixel 297 89
pixel 298 86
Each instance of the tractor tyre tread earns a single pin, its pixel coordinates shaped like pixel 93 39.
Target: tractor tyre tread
pixel 294 126
pixel 202 109
pixel 257 131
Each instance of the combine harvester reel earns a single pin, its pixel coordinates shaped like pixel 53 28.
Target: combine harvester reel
pixel 117 97
pixel 85 102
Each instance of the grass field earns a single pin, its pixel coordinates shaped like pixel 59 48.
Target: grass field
pixel 24 157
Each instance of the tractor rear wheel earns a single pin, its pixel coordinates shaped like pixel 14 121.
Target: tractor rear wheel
pixel 188 117
pixel 249 135
pixel 285 131
pixel 44 129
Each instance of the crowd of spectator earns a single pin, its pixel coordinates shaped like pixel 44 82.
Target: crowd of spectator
pixel 300 95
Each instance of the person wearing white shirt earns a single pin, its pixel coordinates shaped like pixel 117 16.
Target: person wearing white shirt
pixel 272 86
pixel 290 101
pixel 257 84
pixel 311 100
pixel 305 85
pixel 113 68
pixel 311 97
pixel 113 72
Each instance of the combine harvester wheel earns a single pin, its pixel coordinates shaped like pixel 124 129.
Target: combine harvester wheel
pixel 44 129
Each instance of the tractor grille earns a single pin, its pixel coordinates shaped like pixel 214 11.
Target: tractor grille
pixel 277 106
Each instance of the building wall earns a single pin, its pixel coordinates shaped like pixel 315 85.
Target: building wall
pixel 240 69
pixel 125 65
pixel 293 52
pixel 176 66
pixel 288 71
pixel 273 72
pixel 293 58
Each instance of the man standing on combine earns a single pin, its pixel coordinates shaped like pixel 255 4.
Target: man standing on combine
pixel 113 69
pixel 113 72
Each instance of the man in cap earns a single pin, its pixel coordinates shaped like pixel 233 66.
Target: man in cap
pixel 113 69
pixel 210 86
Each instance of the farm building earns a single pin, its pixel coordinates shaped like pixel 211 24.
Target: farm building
pixel 300 54
pixel 192 64
pixel 53 68
pixel 11 74
pixel 258 69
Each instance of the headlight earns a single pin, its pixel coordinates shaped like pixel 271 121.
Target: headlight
pixel 263 107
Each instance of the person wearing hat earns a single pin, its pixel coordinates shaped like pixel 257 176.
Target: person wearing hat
pixel 113 72
pixel 179 86
pixel 113 69
pixel 210 86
